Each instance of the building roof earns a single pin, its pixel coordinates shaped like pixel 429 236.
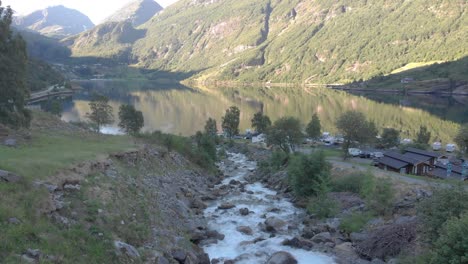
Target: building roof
pixel 442 173
pixel 423 152
pixel 393 163
pixel 400 157
pixel 418 157
pixel 455 169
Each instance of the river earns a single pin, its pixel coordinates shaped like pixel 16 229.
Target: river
pixel 183 110
pixel 262 203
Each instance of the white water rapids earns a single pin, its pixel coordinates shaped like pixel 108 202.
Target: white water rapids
pixel 260 202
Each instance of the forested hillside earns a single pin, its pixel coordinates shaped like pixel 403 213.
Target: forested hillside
pixel 317 41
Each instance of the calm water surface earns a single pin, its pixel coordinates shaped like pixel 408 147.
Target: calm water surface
pixel 183 110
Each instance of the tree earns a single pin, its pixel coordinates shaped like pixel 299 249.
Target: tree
pixel 423 135
pixel 354 127
pixel 452 245
pixel 462 138
pixel 231 121
pixel 211 128
pixel 390 138
pixel 314 128
pixel 309 174
pixel 13 63
pixel 261 122
pixel 444 204
pixel 101 112
pixel 285 133
pixel 131 120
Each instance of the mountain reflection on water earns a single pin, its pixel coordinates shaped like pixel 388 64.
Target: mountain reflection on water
pixel 182 110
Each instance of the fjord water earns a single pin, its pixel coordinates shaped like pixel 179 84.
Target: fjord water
pixel 183 110
pixel 262 203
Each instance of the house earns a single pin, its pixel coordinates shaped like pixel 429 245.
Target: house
pixel 420 154
pixel 403 163
pixel 440 171
pixel 413 161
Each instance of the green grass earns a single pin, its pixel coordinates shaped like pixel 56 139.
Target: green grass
pixel 49 152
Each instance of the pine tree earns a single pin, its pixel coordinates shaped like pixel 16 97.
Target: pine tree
pixel 13 62
pixel 314 127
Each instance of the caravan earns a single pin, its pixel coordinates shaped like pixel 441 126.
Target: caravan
pixel 450 147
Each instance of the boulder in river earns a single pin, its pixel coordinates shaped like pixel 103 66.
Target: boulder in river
pixel 225 206
pixel 244 211
pixel 273 224
pixel 245 230
pixel 282 257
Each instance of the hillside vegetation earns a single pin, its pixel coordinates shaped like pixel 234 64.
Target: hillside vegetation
pixel 109 40
pixel 298 41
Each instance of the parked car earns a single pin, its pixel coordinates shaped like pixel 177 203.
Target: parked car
pixel 354 152
pixel 377 155
pixel 364 155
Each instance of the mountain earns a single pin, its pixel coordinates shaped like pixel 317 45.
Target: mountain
pixel 137 12
pixel 319 41
pixel 56 21
pixel 110 40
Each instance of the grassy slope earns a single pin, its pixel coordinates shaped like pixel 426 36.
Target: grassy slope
pixel 53 146
pixel 326 41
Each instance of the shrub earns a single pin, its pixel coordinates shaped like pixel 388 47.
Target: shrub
pixel 355 221
pixel 309 174
pixel 382 197
pixel 359 183
pixel 444 204
pixel 322 206
pixel 452 245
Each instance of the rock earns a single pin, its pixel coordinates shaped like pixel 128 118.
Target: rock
pixel 234 182
pixel 124 248
pixel 345 252
pixel 33 253
pixel 229 262
pixel 214 234
pixel 323 237
pixel 377 261
pixel 72 187
pixel 225 206
pixel 197 204
pixel 244 211
pixel 299 242
pixel 245 230
pixel 179 255
pixel 191 259
pixel 273 224
pixel 281 257
pixel 405 219
pixel 14 221
pixel 333 224
pixel 10 142
pixel 9 177
pixel 26 259
pixel 358 237
pixel 162 260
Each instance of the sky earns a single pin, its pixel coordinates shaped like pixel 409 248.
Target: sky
pixel 96 10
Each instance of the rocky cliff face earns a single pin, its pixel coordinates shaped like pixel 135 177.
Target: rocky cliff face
pixel 137 12
pixel 56 21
